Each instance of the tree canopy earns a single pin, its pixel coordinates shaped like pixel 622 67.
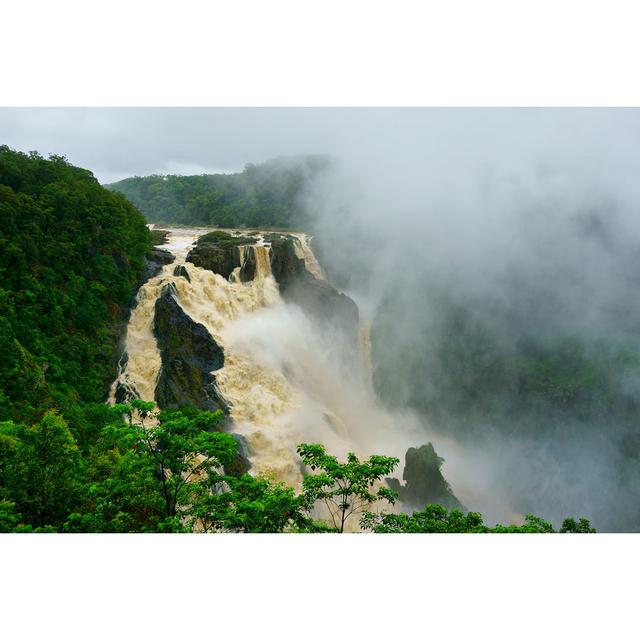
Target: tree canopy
pixel 164 471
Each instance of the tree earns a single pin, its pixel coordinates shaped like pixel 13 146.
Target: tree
pixel 344 488
pixel 123 489
pixel 45 473
pixel 147 477
pixel 571 526
pixel 434 518
pixel 187 456
pixel 9 519
pixel 251 504
pixel 136 409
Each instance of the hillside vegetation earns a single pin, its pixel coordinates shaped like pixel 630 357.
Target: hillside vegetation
pixel 71 253
pixel 268 195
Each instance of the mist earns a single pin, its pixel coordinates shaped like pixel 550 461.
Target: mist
pixel 513 233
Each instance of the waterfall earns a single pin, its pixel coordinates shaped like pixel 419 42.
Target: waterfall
pixel 364 347
pixel 284 381
pixel 303 250
pixel 263 266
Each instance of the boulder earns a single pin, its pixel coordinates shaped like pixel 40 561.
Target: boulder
pixel 189 356
pixel 181 270
pixel 424 482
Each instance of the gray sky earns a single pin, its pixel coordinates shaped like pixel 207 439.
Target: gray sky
pixel 118 142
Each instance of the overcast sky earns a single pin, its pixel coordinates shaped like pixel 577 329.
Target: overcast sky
pixel 118 142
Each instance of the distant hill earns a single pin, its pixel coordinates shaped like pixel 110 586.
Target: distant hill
pixel 268 195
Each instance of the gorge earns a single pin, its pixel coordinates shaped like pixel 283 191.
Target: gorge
pixel 244 321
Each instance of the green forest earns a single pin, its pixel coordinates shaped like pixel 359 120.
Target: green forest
pixel 268 195
pixel 71 255
pixel 174 474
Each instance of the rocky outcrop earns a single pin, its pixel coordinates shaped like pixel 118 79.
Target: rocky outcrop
pixel 159 236
pixel 154 262
pixel 181 270
pixel 214 258
pixel 249 265
pixel 124 392
pixel 240 463
pixel 424 482
pixel 218 252
pixel 189 356
pixel 321 301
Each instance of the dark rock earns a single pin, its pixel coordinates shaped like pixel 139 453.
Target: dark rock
pixel 154 262
pixel 219 252
pixel 321 301
pixel 181 270
pixel 425 483
pixel 151 270
pixel 286 267
pixel 240 464
pixel 214 258
pixel 162 256
pixel 249 265
pixel 159 236
pixel 189 355
pixel 125 392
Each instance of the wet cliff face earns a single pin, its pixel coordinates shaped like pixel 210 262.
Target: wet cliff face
pixel 334 311
pixel 189 356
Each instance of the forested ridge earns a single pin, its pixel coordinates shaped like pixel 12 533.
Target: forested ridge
pixel 269 195
pixel 71 253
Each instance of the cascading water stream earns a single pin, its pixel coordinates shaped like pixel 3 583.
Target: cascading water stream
pixel 285 382
pixel 303 250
